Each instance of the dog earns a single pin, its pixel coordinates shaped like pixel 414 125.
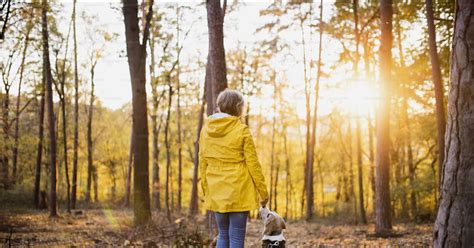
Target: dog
pixel 273 226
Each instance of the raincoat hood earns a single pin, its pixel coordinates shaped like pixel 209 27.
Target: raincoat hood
pixel 220 124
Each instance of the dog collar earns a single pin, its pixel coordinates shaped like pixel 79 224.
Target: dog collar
pixel 278 237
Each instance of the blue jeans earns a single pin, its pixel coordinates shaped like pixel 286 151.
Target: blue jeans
pixel 232 227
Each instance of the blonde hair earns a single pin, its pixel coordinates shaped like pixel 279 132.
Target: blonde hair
pixel 231 102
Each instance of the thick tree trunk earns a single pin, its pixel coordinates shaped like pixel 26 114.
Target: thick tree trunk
pixel 39 146
pixel 136 54
pixel 50 107
pixel 383 219
pixel 216 59
pixel 438 85
pixel 454 226
pixel 76 113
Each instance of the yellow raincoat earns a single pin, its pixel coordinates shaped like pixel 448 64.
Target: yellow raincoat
pixel 231 175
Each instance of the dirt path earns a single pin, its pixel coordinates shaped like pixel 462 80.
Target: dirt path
pixel 114 227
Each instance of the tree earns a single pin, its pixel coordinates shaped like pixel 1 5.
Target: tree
pixel 454 226
pixel 76 112
pixel 50 107
pixel 216 58
pixel 193 205
pixel 136 54
pixel 309 193
pixel 29 26
pixel 383 220
pixel 91 170
pixel 438 85
pixel 39 146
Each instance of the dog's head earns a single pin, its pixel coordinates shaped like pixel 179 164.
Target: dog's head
pixel 272 222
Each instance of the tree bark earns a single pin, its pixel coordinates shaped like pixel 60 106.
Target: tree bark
pixel 90 161
pixel 178 115
pixel 49 103
pixel 454 226
pixel 39 146
pixel 18 101
pixel 438 85
pixel 136 54
pixel 383 219
pixel 76 114
pixel 168 149
pixel 128 178
pixel 193 206
pixel 216 59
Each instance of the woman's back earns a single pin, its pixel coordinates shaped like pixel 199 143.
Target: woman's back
pixel 233 177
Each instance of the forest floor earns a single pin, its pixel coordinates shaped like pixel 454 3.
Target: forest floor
pixel 113 227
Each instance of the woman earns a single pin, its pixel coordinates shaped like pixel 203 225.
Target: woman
pixel 231 175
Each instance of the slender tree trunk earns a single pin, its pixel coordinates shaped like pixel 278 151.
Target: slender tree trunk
pixel 193 206
pixel 454 226
pixel 383 219
pixel 288 174
pixel 50 106
pixel 90 161
pixel 178 114
pixel 272 201
pixel 18 101
pixel 362 218
pixel 307 187
pixel 6 137
pixel 136 54
pixel 168 150
pixel 76 114
pixel 128 178
pixel 156 199
pixel 438 86
pixel 39 146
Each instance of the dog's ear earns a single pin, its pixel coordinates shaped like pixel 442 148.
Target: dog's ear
pixel 283 224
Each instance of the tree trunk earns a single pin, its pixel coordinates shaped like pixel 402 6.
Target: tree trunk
pixel 18 101
pixel 307 187
pixel 136 54
pixel 168 152
pixel 383 220
pixel 50 107
pixel 39 147
pixel 90 161
pixel 288 174
pixel 216 59
pixel 438 85
pixel 76 114
pixel 454 226
pixel 178 114
pixel 362 218
pixel 193 206
pixel 272 151
pixel 128 178
pixel 360 177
